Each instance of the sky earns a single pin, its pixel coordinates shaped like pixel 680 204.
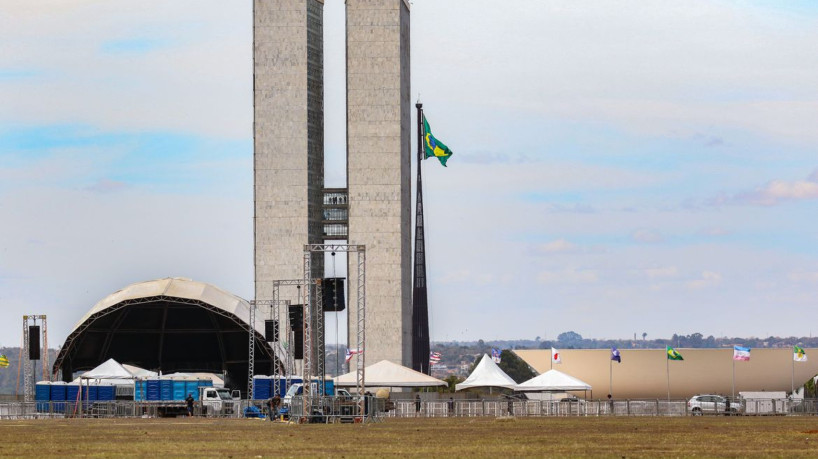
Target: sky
pixel 619 167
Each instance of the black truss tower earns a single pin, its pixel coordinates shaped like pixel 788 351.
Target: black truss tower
pixel 420 302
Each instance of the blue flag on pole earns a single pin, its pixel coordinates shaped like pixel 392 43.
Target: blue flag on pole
pixel 615 355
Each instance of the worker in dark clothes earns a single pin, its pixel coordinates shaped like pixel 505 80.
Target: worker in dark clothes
pixel 189 401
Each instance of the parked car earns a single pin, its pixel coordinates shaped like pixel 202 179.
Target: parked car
pixel 714 404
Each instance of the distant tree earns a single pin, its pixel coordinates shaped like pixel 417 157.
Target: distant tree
pixel 451 381
pixel 809 388
pixel 644 335
pixel 569 337
pixel 515 367
pixel 537 339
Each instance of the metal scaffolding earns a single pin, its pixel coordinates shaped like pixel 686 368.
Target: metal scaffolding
pixel 282 366
pixel 25 362
pixel 309 249
pixel 310 320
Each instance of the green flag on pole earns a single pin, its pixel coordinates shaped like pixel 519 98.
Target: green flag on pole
pixel 433 147
pixel 672 354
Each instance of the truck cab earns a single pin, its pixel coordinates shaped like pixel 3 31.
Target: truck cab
pixel 216 401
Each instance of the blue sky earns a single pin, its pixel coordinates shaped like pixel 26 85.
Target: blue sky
pixel 638 166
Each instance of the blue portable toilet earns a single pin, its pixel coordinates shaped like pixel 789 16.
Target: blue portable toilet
pixel 192 387
pixel 153 390
pixel 42 395
pixel 93 393
pixel 140 391
pixel 71 393
pixel 179 388
pixel 262 386
pixel 166 389
pixel 58 390
pixel 106 392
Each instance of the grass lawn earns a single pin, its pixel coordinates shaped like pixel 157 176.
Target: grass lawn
pixel 455 437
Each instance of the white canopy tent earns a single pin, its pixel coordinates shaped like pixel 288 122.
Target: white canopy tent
pixel 553 381
pixel 140 372
pixel 109 372
pixel 388 374
pixel 487 374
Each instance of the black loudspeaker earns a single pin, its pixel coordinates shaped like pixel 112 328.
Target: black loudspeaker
pixel 334 298
pixel 34 342
pixel 297 326
pixel 271 330
pixel 296 317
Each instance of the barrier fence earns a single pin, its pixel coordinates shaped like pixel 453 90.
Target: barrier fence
pixel 344 409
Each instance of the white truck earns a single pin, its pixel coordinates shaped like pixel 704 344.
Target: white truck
pixel 212 401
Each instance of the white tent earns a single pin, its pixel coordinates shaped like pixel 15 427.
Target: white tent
pixel 553 380
pixel 140 372
pixel 388 374
pixel 487 374
pixel 110 369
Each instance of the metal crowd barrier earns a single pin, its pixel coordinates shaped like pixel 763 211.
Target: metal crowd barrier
pixel 341 409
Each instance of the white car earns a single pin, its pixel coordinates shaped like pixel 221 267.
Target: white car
pixel 715 404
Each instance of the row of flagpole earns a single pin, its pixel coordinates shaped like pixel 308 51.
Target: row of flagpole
pixel 740 353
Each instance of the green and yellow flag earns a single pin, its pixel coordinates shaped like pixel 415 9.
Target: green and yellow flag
pixel 798 354
pixel 434 147
pixel 672 354
pixel 4 361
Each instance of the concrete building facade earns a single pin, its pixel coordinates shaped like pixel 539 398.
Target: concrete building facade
pixel 288 93
pixel 378 170
pixel 288 142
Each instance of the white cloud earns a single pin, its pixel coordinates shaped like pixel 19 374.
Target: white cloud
pixel 662 272
pixel 647 236
pixel 707 279
pixel 804 276
pixel 568 276
pixel 559 246
pixel 773 193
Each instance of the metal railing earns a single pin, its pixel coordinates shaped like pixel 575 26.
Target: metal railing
pixel 345 409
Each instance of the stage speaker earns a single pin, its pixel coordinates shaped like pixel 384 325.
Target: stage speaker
pixel 271 331
pixel 297 326
pixel 296 316
pixel 334 298
pixel 34 342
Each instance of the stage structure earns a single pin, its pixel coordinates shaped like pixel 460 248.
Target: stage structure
pixel 32 350
pixel 360 320
pixel 316 362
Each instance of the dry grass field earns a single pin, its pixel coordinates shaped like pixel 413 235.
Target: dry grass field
pixel 458 437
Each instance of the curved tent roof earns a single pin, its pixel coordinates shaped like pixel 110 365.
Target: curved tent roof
pixel 388 374
pixel 169 325
pixel 553 380
pixel 487 374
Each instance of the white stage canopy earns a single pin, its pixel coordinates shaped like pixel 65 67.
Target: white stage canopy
pixel 553 380
pixel 388 374
pixel 487 374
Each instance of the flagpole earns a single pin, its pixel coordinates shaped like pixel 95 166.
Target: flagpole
pixel 792 381
pixel 610 387
pixel 734 374
pixel 667 368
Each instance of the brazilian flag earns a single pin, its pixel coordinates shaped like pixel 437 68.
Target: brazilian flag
pixel 4 361
pixel 672 354
pixel 434 147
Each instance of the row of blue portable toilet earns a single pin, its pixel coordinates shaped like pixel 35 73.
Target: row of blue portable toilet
pixel 60 393
pixel 264 386
pixel 158 389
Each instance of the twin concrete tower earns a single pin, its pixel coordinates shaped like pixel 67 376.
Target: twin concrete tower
pixel 292 207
